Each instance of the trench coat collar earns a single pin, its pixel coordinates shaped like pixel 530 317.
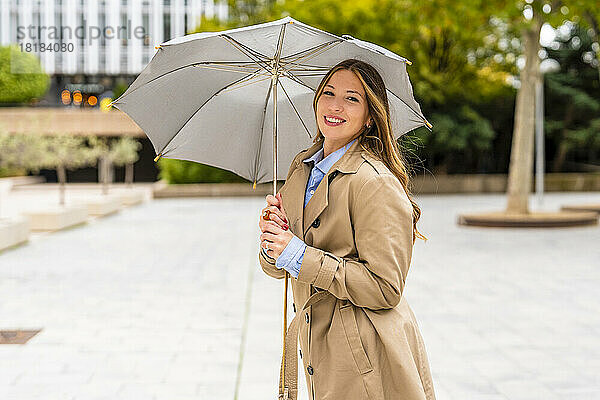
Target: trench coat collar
pixel 347 164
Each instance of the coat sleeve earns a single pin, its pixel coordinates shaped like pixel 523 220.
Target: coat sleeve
pixel 383 231
pixel 268 265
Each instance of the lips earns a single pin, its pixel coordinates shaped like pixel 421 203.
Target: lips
pixel 333 123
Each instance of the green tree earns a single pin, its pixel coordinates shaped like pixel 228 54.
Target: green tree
pixel 124 151
pixel 21 76
pixel 63 152
pixel 573 92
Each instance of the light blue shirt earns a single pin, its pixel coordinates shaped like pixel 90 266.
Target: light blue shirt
pixel 292 255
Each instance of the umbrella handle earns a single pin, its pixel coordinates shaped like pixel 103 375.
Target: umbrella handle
pixel 285 290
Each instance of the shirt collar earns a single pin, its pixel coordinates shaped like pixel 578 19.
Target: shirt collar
pixel 324 164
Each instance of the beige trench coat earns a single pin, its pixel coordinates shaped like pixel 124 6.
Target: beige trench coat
pixel 360 339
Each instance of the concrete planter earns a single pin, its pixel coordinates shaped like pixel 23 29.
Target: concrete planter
pixel 104 205
pixel 54 218
pixel 131 197
pixel 13 231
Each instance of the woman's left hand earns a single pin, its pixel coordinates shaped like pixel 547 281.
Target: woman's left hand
pixel 277 237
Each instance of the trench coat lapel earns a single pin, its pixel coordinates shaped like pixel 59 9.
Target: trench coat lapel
pixel 347 164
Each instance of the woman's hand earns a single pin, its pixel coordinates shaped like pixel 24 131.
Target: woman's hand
pixel 277 213
pixel 275 229
pixel 276 237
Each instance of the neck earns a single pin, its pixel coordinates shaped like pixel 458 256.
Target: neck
pixel 329 145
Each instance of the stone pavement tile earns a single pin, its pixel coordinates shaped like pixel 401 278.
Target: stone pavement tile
pixel 44 391
pixel 467 384
pixel 106 390
pixel 525 389
pixel 580 394
pixel 164 391
pixel 495 367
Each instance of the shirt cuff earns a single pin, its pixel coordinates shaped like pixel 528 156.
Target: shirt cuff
pixel 291 257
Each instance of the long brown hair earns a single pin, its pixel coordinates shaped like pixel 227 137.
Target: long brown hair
pixel 378 140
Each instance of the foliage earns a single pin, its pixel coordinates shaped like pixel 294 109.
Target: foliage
pixel 119 88
pixel 573 97
pixel 465 63
pixel 68 151
pixel 21 77
pixel 182 171
pixel 21 152
pixel 124 150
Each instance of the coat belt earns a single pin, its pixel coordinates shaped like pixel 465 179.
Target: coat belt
pixel 288 384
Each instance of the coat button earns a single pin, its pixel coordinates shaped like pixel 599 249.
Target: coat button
pixel 306 317
pixel 316 223
pixel 310 370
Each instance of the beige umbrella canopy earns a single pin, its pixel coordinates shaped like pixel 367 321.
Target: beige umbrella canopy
pixel 241 99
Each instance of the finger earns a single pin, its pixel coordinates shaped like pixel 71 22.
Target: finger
pixel 278 212
pixel 272 200
pixel 272 227
pixel 281 222
pixel 264 225
pixel 269 237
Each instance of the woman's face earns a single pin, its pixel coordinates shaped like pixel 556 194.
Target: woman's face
pixel 343 100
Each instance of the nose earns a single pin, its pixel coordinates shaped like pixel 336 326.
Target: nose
pixel 335 104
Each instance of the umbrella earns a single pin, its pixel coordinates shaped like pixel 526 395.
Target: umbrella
pixel 213 97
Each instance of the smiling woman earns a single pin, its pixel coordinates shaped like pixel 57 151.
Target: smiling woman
pixel 343 225
pixel 342 110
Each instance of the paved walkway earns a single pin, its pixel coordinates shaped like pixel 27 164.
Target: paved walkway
pixel 167 301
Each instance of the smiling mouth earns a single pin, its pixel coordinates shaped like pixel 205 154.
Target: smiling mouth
pixel 333 121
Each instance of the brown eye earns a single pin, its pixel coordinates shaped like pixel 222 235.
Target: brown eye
pixel 353 98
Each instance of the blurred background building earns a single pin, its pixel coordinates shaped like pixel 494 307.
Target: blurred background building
pixel 91 47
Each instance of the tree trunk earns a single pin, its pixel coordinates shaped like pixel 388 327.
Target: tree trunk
pixel 561 156
pixel 129 174
pixel 62 179
pixel 520 170
pixel 106 176
pixel 563 147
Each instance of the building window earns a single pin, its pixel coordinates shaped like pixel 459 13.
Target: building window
pixel 146 26
pixel 166 26
pixel 123 29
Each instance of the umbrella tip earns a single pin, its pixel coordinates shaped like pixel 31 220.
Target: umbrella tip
pixel 157 157
pixel 254 185
pixel 428 124
pixel 409 62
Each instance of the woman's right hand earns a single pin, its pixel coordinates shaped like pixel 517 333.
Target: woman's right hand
pixel 277 214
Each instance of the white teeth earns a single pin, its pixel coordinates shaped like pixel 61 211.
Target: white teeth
pixel 333 119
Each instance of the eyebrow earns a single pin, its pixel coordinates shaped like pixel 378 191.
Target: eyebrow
pixel 350 91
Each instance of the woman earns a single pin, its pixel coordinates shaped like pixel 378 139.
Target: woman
pixel 348 241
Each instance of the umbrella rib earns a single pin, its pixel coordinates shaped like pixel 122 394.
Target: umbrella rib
pixel 311 74
pixel 295 79
pixel 258 58
pixel 202 105
pixel 289 57
pixel 294 107
pixel 262 124
pixel 246 83
pixel 204 65
pixel 316 52
pixel 279 44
